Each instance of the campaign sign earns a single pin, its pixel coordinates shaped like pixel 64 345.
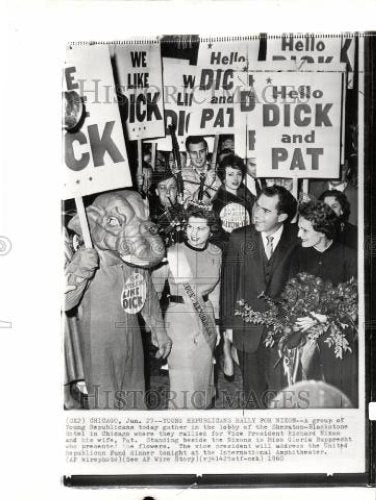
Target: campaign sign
pixel 304 49
pixel 294 126
pixel 178 86
pixel 134 293
pixel 235 54
pixel 139 69
pixel 217 97
pixel 224 55
pixel 314 49
pixel 94 148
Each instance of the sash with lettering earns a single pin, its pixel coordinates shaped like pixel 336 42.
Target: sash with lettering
pixel 182 274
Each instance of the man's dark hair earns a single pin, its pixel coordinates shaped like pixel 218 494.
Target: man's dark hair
pixel 195 139
pixel 232 161
pixel 342 200
pixel 287 204
pixel 322 217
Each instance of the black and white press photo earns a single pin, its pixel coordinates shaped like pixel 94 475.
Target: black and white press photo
pixel 213 227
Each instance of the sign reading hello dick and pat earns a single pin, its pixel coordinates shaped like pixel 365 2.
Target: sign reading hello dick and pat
pixel 294 123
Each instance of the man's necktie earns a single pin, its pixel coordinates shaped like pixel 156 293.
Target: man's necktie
pixel 269 246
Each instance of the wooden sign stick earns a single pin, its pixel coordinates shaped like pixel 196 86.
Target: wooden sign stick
pixel 295 194
pixel 83 222
pixel 295 187
pixel 215 152
pixel 139 164
pixel 154 147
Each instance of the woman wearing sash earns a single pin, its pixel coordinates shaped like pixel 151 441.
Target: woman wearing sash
pixel 193 274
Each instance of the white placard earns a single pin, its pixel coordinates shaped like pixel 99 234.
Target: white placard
pixel 294 123
pixel 95 154
pixel 139 68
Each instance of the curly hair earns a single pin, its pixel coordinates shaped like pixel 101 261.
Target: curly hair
pixel 211 217
pixel 323 218
pixel 342 200
pixel 232 161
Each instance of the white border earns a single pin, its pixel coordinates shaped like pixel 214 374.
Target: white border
pixel 33 36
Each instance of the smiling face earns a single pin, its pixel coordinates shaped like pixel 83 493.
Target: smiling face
pixel 197 231
pixel 198 154
pixel 167 191
pixel 307 234
pixel 265 216
pixel 233 179
pixel 334 204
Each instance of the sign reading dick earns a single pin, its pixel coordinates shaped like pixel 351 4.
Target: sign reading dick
pixel 220 85
pixel 294 124
pixel 94 148
pixel 178 85
pixel 139 70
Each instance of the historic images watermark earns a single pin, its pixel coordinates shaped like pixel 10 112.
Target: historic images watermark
pixel 5 246
pixel 291 399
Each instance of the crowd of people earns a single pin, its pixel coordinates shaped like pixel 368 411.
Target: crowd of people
pixel 231 236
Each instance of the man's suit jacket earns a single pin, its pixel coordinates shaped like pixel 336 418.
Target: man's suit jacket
pixel 247 273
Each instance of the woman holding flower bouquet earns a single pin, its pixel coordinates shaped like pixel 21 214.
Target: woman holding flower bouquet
pixel 332 354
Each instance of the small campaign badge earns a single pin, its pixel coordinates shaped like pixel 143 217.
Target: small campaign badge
pixel 133 295
pixel 234 215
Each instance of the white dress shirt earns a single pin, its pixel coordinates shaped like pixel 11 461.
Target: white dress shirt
pixel 276 237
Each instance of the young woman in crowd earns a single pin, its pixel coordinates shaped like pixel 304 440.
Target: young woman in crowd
pixel 233 206
pixel 233 201
pixel 193 273
pixel 338 202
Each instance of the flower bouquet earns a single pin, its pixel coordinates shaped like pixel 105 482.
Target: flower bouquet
pixel 333 311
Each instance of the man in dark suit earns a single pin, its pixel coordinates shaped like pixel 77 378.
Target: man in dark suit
pixel 258 263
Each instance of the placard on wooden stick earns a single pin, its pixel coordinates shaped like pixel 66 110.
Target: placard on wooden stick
pixel 94 148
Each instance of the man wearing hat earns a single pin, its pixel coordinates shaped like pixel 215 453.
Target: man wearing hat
pixel 164 209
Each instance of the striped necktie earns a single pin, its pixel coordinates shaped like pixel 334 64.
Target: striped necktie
pixel 269 246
